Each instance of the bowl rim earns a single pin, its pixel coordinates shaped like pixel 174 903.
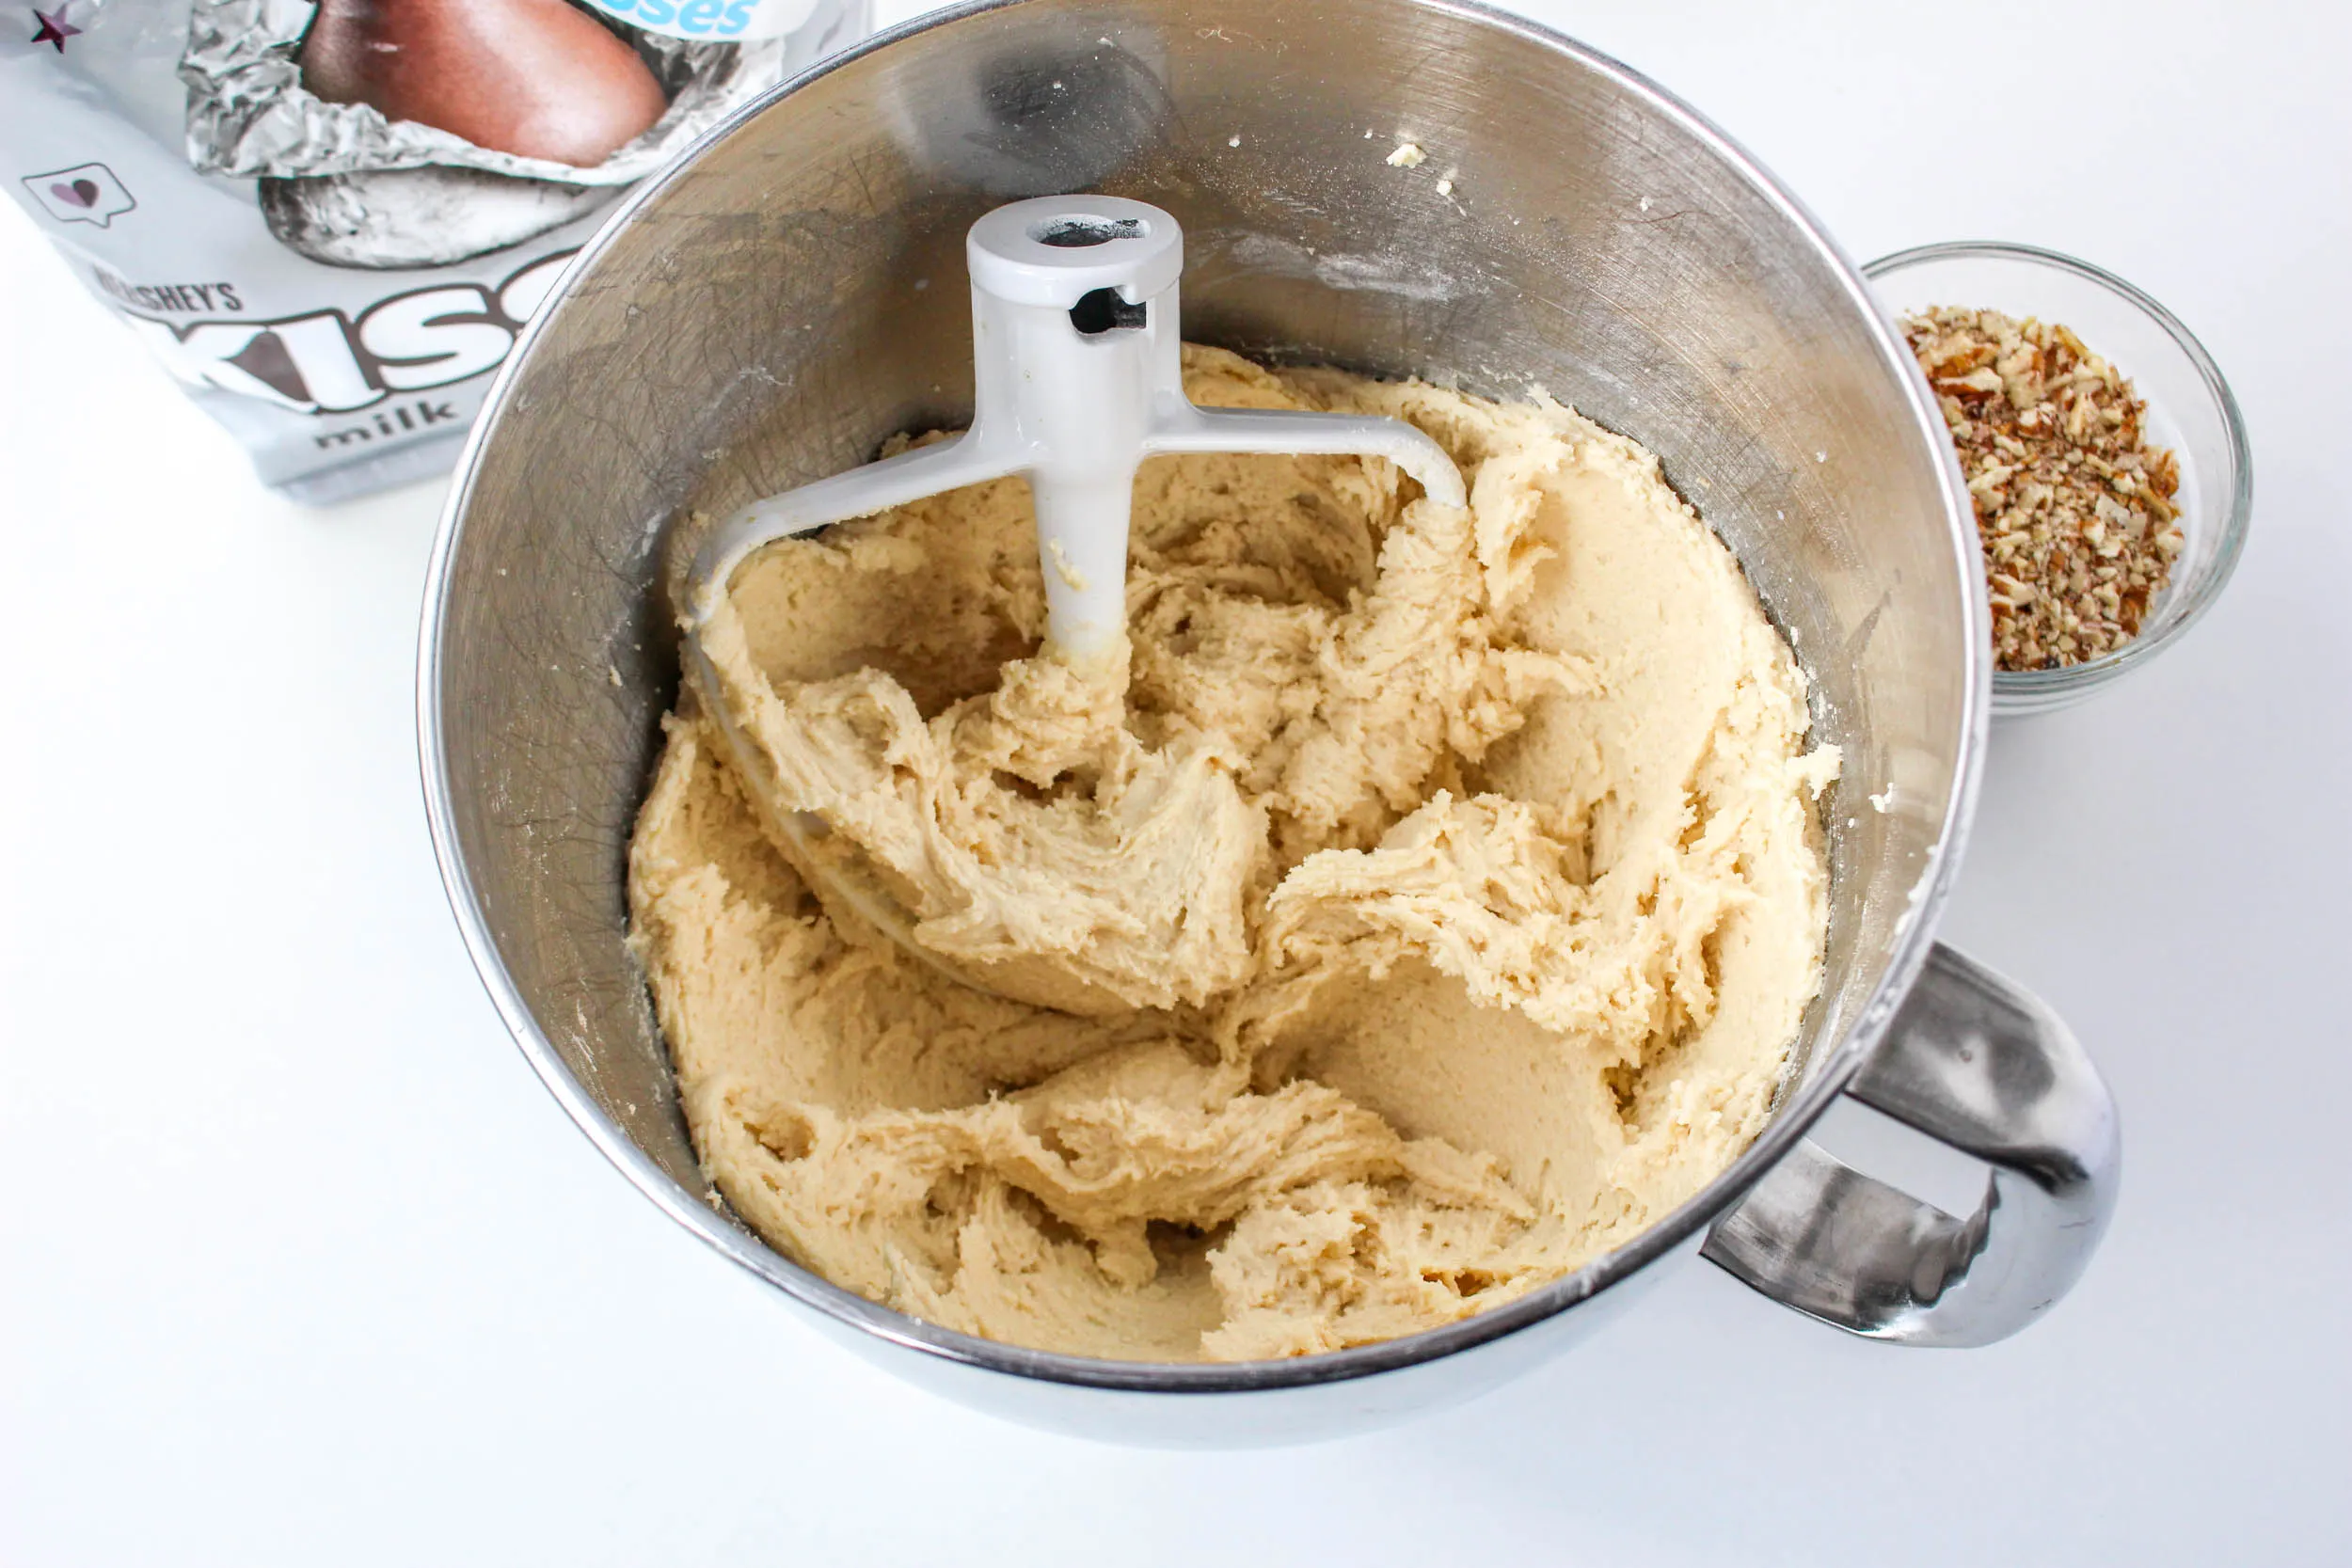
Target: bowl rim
pixel 720 1230
pixel 2035 688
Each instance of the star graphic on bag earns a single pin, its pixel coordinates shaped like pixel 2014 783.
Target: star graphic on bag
pixel 55 28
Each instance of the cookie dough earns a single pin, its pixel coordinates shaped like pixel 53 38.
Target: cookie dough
pixel 1439 890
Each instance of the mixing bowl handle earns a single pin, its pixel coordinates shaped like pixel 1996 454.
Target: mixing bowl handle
pixel 1979 1064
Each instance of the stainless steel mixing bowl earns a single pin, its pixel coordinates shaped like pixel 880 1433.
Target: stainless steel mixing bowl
pixel 792 294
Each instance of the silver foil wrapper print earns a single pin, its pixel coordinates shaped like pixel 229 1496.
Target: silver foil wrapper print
pixel 344 184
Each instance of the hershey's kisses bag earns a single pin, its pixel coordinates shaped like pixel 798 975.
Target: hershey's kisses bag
pixel 329 220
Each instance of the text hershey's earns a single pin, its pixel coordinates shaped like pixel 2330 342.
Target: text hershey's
pixel 188 297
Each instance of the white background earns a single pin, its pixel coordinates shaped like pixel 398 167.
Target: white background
pixel 300 1265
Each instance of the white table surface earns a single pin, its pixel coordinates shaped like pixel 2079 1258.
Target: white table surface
pixel 300 1265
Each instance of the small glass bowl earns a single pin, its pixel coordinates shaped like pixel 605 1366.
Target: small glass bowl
pixel 2189 409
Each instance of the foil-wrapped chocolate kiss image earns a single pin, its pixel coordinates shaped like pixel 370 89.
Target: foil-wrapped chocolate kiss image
pixel 390 133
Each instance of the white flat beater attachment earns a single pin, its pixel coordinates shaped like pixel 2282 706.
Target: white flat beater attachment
pixel 1076 359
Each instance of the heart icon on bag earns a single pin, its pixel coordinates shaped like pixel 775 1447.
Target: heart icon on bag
pixel 87 193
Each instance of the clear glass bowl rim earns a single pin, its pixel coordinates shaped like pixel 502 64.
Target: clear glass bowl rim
pixel 2038 687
